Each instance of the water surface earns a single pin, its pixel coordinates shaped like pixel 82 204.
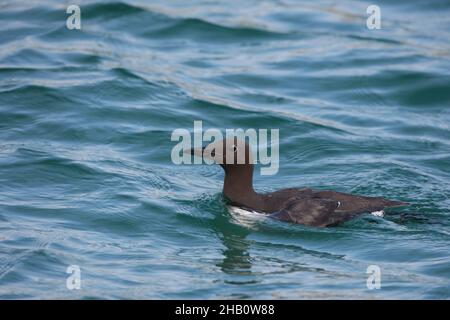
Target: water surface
pixel 85 171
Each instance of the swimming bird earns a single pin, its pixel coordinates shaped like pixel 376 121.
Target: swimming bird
pixel 306 206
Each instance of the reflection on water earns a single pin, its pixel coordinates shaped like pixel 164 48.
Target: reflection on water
pixel 236 255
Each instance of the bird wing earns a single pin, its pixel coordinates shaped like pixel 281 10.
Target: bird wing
pixel 358 204
pixel 313 211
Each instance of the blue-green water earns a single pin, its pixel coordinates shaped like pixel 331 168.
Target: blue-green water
pixel 85 171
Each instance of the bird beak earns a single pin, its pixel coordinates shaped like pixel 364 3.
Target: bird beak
pixel 208 155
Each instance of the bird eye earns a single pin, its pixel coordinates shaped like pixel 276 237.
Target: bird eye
pixel 234 148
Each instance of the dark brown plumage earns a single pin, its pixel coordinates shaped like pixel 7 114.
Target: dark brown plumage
pixel 304 206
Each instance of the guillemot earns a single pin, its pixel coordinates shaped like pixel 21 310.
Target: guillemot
pixel 306 206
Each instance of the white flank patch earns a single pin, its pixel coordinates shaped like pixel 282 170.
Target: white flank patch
pixel 248 218
pixel 378 213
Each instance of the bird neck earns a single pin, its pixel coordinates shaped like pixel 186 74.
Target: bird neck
pixel 238 187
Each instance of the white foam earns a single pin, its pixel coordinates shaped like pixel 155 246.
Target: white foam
pixel 378 213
